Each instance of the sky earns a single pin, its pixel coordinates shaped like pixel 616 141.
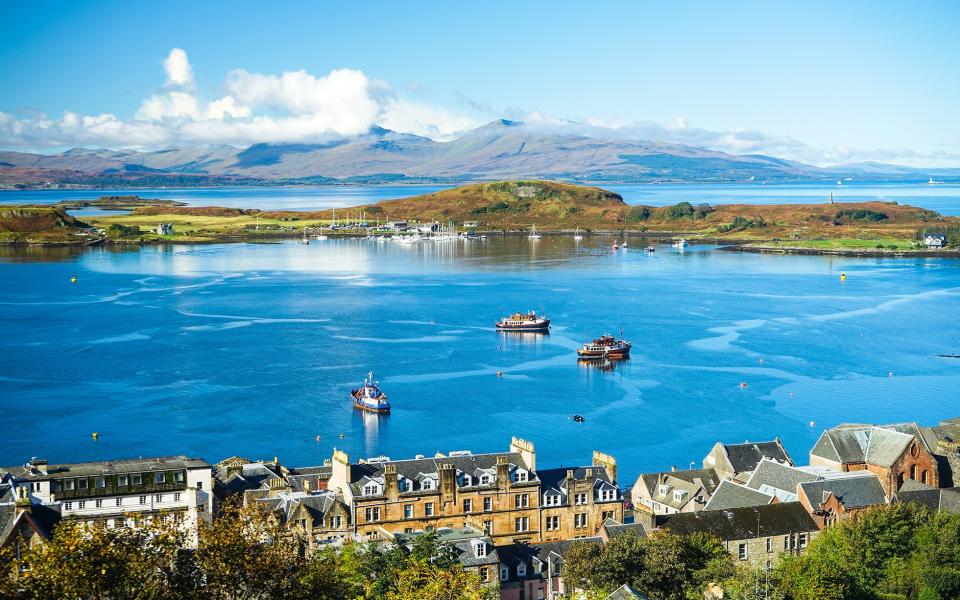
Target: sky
pixel 820 82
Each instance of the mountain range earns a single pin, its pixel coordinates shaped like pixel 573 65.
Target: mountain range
pixel 495 151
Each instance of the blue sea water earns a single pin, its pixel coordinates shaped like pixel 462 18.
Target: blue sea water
pixel 251 349
pixel 944 198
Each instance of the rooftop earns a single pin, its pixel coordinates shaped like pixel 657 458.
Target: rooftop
pixel 33 470
pixel 743 523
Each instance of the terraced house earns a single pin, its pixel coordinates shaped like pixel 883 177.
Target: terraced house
pixel 502 495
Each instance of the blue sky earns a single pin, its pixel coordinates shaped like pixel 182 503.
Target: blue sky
pixel 817 81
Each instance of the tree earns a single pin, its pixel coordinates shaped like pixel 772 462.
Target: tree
pixel 423 581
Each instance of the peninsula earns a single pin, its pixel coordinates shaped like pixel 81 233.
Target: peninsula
pixel 507 207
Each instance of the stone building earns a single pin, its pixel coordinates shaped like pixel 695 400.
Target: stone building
pixel 755 534
pixel 500 494
pixel 474 551
pixel 671 492
pixel 535 571
pixel 317 518
pixel 737 461
pixel 22 523
pixel 894 453
pixel 731 494
pixel 832 500
pixel 945 439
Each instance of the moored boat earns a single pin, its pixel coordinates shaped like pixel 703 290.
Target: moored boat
pixel 523 322
pixel 370 397
pixel 681 243
pixel 605 346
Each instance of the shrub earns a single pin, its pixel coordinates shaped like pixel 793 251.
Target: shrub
pixel 681 210
pixel 638 213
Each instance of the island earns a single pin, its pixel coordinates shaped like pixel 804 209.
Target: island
pixel 510 207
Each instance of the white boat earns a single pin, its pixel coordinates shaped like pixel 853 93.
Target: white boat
pixel 681 243
pixel 839 182
pixel 533 233
pixel 576 235
pixel 305 241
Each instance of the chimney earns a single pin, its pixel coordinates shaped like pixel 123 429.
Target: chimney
pixel 608 462
pixel 503 472
pixel 448 482
pixel 306 485
pixel 673 468
pixel 340 474
pixel 40 465
pixel 391 489
pixel 22 504
pixel 526 451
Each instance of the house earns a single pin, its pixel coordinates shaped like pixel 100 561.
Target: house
pixel 613 529
pixel 730 494
pixel 503 495
pixel 737 461
pixel 672 492
pixel 396 225
pixel 893 453
pixel 120 492
pixel 935 240
pixel 164 229
pixel 938 500
pixel 22 524
pixel 625 592
pixel 474 551
pixel 945 439
pixel 532 571
pixel 833 500
pixel 775 478
pixel 754 534
pixel 470 224
pixel 317 518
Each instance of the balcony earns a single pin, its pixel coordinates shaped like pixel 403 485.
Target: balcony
pixel 127 490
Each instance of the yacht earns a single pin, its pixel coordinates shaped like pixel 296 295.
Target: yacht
pixel 576 235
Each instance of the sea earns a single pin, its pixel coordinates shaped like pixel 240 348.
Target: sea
pixel 252 349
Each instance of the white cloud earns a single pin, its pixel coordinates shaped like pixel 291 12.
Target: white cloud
pixel 425 120
pixel 177 66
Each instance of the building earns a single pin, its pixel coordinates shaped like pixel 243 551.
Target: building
pixel 164 229
pixel 535 571
pixel 470 224
pixel 474 551
pixel 774 478
pixel 21 523
pixel 894 453
pixel 315 517
pixel 754 534
pixel 938 500
pixel 737 461
pixel 832 500
pixel 120 492
pixel 945 439
pixel 613 529
pixel 671 492
pixel 935 240
pixel 501 494
pixel 730 494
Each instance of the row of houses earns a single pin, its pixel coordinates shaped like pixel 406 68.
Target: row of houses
pixel 510 521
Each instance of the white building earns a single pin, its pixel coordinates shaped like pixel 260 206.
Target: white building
pixel 121 492
pixel 164 229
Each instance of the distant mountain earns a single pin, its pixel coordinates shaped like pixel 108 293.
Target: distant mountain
pixel 499 150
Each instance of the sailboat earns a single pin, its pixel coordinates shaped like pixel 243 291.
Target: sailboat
pixel 576 235
pixel 305 240
pixel 624 244
pixel 533 233
pixel 320 236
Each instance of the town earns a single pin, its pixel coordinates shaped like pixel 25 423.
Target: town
pixel 508 516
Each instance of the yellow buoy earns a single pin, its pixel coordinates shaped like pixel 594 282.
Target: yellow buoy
pixel 73 279
pixel 96 435
pixel 341 436
pixel 843 276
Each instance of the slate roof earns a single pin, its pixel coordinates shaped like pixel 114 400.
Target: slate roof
pixel 746 456
pixel 543 553
pixel 691 477
pixel 771 476
pixel 625 592
pixel 879 445
pixel 6 493
pixel 250 476
pixel 286 503
pixel 43 518
pixel 461 540
pixel 743 523
pixel 853 492
pixel 470 464
pixel 90 469
pixel 734 495
pixel 938 500
pixel 615 528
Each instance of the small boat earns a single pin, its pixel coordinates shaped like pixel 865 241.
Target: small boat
pixel 305 241
pixel 576 235
pixel 605 346
pixel 651 248
pixel 681 243
pixel 624 244
pixel 523 322
pixel 533 233
pixel 578 418
pixel 370 397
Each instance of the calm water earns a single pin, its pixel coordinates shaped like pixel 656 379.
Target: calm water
pixel 944 198
pixel 251 349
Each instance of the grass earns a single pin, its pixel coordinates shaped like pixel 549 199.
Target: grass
pixel 846 244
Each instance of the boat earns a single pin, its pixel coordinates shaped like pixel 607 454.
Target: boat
pixel 651 248
pixel 305 241
pixel 578 418
pixel 533 233
pixel 681 243
pixel 369 397
pixel 576 235
pixel 523 322
pixel 605 346
pixel 624 244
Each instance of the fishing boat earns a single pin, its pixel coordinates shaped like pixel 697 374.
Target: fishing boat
pixel 681 243
pixel 370 397
pixel 576 235
pixel 533 233
pixel 605 347
pixel 523 322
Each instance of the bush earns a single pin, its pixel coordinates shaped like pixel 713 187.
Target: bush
pixel 118 230
pixel 861 214
pixel 638 213
pixel 681 210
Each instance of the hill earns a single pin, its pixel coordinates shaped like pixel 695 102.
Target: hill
pixel 38 225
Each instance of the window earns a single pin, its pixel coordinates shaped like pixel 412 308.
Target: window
pixel 143 499
pixel 468 505
pixel 522 500
pixel 428 509
pixel 521 476
pixel 82 504
pixel 370 490
pixel 407 511
pixel 159 478
pixel 551 500
pixel 199 485
pixel 580 520
pixel 427 484
pixel 178 476
pixel 786 542
pixel 100 482
pixel 607 495
pixel 136 479
pixel 579 498
pixel 488 527
pixel 769 544
pixel 82 484
pixel 607 514
pixel 504 573
pixel 742 551
pixel 522 570
pixel 484 573
pixel 69 484
pixel 487 504
pixel 176 497
pixel 158 498
pixel 480 549
pixel 119 502
pixel 98 503
pixel 335 522
pixel 522 524
pixel 802 540
pixel 123 481
pixel 678 495
pixel 923 476
pixel 68 505
pixel 553 523
pixel 484 479
pixel 373 514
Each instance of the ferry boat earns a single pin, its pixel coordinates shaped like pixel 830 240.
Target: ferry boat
pixel 370 397
pixel 523 322
pixel 605 346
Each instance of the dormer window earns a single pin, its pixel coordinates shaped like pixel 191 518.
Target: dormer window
pixel 664 490
pixel 427 484
pixel 522 570
pixel 504 573
pixel 484 479
pixel 678 495
pixel 371 489
pixel 521 476
pixel 479 548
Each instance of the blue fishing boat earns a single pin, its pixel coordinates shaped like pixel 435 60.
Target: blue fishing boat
pixel 370 397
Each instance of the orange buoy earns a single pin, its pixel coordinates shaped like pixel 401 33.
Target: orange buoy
pixel 811 423
pixel 743 384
